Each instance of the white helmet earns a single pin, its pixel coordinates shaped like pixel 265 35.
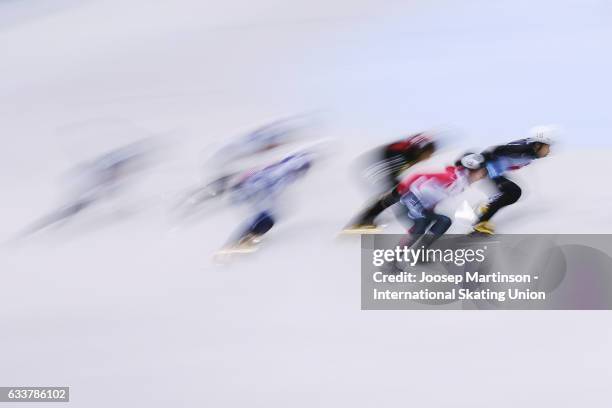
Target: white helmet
pixel 472 161
pixel 543 134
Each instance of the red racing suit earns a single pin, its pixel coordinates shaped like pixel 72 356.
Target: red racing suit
pixel 423 191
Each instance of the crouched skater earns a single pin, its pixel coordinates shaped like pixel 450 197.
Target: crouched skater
pixel 385 172
pixel 260 190
pixel 502 159
pixel 421 192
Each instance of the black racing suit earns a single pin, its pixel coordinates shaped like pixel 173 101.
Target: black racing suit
pixel 499 160
pixel 393 160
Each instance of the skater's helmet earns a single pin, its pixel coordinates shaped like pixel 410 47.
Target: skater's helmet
pixel 543 134
pixel 472 161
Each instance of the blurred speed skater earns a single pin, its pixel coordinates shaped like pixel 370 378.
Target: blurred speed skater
pixel 232 159
pixel 267 137
pixel 97 180
pixel 504 158
pixel 260 190
pixel 388 165
pixel 421 192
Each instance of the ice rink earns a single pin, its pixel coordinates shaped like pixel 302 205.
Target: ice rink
pixel 124 305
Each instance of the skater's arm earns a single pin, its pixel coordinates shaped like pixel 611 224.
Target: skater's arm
pixel 519 148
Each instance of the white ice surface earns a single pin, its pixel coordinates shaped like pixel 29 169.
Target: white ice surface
pixel 128 310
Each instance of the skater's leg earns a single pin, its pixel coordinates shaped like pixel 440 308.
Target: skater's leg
pixel 369 214
pixel 509 193
pixel 258 226
pixel 261 224
pixel 422 236
pixel 420 226
pixel 420 217
pixel 401 214
pixel 441 224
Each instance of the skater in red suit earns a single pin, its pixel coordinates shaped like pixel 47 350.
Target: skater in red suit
pixel 421 192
